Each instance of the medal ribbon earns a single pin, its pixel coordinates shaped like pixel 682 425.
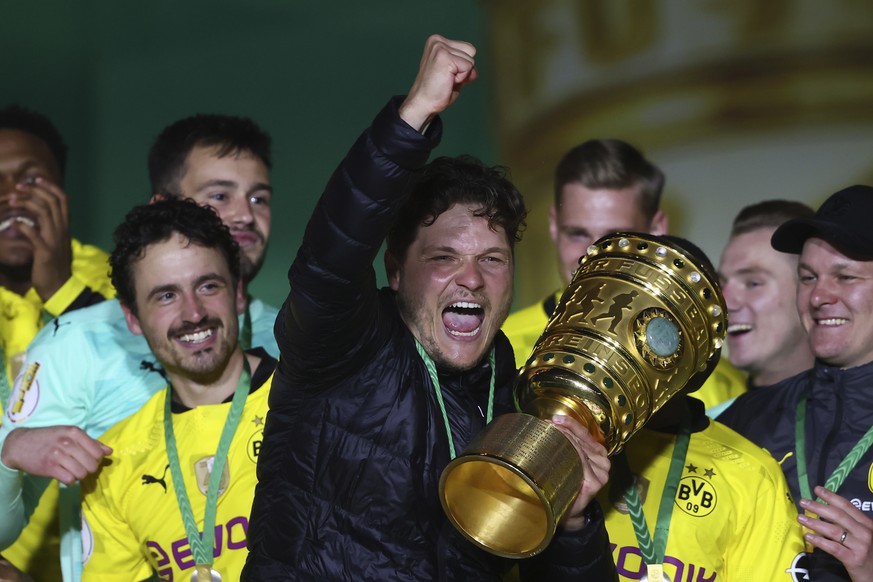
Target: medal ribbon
pixel 845 467
pixel 431 370
pixel 653 551
pixel 201 546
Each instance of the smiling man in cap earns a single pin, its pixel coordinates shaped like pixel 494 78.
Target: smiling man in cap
pixel 818 423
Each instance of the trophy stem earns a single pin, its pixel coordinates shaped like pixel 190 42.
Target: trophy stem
pixel 553 404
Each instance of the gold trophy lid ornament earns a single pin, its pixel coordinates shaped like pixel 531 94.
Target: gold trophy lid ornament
pixel 642 315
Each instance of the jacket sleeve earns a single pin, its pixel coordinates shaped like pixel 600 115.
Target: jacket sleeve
pixel 332 309
pixel 581 555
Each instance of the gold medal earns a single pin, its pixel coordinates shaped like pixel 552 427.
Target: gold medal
pixel 205 573
pixel 655 573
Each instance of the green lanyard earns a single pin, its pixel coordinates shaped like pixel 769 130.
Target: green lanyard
pixel 201 546
pixel 835 481
pixel 431 370
pixel 653 552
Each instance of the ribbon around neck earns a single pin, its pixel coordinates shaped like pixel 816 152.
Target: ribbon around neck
pixel 202 545
pixel 431 370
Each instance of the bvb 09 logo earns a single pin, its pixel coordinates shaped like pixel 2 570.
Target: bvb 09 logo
pixel 696 496
pixel 253 446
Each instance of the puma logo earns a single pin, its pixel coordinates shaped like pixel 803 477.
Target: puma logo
pixel 151 367
pixel 148 479
pixel 58 325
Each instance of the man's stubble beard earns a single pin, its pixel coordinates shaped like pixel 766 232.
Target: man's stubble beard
pixel 249 269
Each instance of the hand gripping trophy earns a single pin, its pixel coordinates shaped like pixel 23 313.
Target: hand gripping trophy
pixel 639 319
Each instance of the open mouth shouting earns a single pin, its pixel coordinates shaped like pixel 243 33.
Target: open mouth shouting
pixel 463 319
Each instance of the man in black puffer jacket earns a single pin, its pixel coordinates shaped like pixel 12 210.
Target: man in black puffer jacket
pixel 810 422
pixel 359 429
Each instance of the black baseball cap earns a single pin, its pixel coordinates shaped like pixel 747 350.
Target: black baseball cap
pixel 845 220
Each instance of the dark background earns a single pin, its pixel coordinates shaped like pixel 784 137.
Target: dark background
pixel 111 75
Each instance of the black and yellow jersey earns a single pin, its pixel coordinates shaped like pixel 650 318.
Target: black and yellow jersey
pixel 132 524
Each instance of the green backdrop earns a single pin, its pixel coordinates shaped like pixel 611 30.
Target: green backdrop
pixel 112 74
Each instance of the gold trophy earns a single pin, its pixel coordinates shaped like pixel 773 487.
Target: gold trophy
pixel 640 318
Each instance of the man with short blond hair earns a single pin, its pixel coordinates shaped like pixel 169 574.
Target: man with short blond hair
pixel 765 337
pixel 603 186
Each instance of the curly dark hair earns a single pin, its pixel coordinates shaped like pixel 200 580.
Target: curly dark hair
pixel 37 124
pixel 460 180
pixel 230 134
pixel 153 223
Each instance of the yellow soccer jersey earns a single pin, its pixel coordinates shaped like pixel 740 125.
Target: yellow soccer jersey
pixel 733 517
pixel 525 326
pixel 131 519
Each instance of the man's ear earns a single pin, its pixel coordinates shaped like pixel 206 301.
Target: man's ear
pixel 553 224
pixel 241 300
pixel 158 196
pixel 131 320
pixel 392 270
pixel 660 224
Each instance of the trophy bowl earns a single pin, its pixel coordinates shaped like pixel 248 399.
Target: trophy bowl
pixel 641 316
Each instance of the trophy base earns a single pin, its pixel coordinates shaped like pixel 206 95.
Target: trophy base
pixel 511 485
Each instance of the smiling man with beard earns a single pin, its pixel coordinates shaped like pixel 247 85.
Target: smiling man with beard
pixel 377 390
pixel 87 371
pixel 177 272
